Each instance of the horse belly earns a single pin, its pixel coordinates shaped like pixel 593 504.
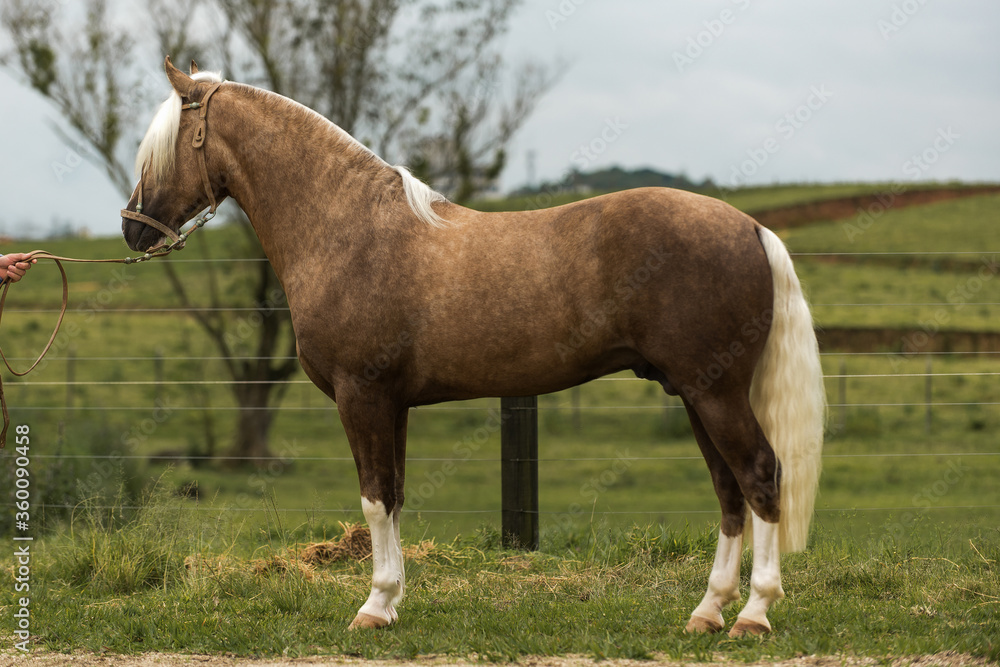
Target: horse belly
pixel 533 343
pixel 515 374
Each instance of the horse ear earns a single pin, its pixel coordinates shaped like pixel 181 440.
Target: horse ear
pixel 181 82
pixel 194 68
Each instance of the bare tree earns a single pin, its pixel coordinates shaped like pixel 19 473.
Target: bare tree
pixel 419 80
pixel 89 94
pixel 91 80
pixel 468 151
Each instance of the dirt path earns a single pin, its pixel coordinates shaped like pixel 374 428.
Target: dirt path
pixel 12 657
pixel 839 208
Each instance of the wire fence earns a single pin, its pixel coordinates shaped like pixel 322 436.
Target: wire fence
pixel 947 372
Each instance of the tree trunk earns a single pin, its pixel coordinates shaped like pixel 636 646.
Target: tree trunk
pixel 253 427
pixel 258 349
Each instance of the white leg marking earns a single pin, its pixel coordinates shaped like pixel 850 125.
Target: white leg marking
pixel 399 553
pixel 723 584
pixel 765 581
pixel 387 561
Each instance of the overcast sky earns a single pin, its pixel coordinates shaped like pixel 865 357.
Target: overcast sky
pixel 739 91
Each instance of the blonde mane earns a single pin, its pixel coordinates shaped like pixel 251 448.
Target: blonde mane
pixel 420 196
pixel 156 154
pixel 156 151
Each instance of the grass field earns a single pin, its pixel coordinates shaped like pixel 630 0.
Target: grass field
pixel 125 589
pixel 904 556
pixel 959 226
pixel 746 199
pixel 613 424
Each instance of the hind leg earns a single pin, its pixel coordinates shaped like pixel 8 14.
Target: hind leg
pixel 724 581
pixel 738 440
pixel 765 581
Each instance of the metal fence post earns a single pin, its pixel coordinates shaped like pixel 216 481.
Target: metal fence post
pixel 519 471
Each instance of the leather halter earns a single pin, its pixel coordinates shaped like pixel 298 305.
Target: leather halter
pixel 160 250
pixel 198 143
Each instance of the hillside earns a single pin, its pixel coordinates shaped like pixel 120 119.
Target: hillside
pixel 612 179
pixel 130 377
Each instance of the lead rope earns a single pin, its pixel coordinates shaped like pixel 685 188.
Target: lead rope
pixel 160 250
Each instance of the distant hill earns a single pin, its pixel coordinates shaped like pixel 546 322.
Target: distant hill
pixel 613 179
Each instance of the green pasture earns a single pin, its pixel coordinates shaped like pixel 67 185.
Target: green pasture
pixel 957 229
pixel 132 403
pixel 859 295
pixel 746 199
pixel 127 586
pixel 774 196
pixel 615 452
pixel 102 391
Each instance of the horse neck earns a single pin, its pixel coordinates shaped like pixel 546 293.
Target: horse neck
pixel 310 191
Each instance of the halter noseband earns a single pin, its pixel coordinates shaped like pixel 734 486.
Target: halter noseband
pixel 199 145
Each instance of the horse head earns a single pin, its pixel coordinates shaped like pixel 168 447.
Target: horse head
pixel 174 181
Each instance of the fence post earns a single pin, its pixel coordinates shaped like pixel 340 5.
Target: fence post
pixel 519 471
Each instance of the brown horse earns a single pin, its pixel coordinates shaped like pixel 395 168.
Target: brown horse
pixel 400 298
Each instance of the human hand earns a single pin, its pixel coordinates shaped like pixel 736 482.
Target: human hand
pixel 15 265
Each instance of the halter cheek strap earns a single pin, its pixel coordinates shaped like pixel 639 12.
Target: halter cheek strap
pixel 198 143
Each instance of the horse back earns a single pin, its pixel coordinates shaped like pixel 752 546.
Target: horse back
pixel 535 301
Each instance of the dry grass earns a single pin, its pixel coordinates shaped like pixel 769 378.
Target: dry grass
pixel 355 544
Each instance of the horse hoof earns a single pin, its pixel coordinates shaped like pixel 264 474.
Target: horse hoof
pixel 367 621
pixel 700 624
pixel 743 627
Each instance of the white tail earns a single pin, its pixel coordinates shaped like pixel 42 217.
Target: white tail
pixel 788 397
